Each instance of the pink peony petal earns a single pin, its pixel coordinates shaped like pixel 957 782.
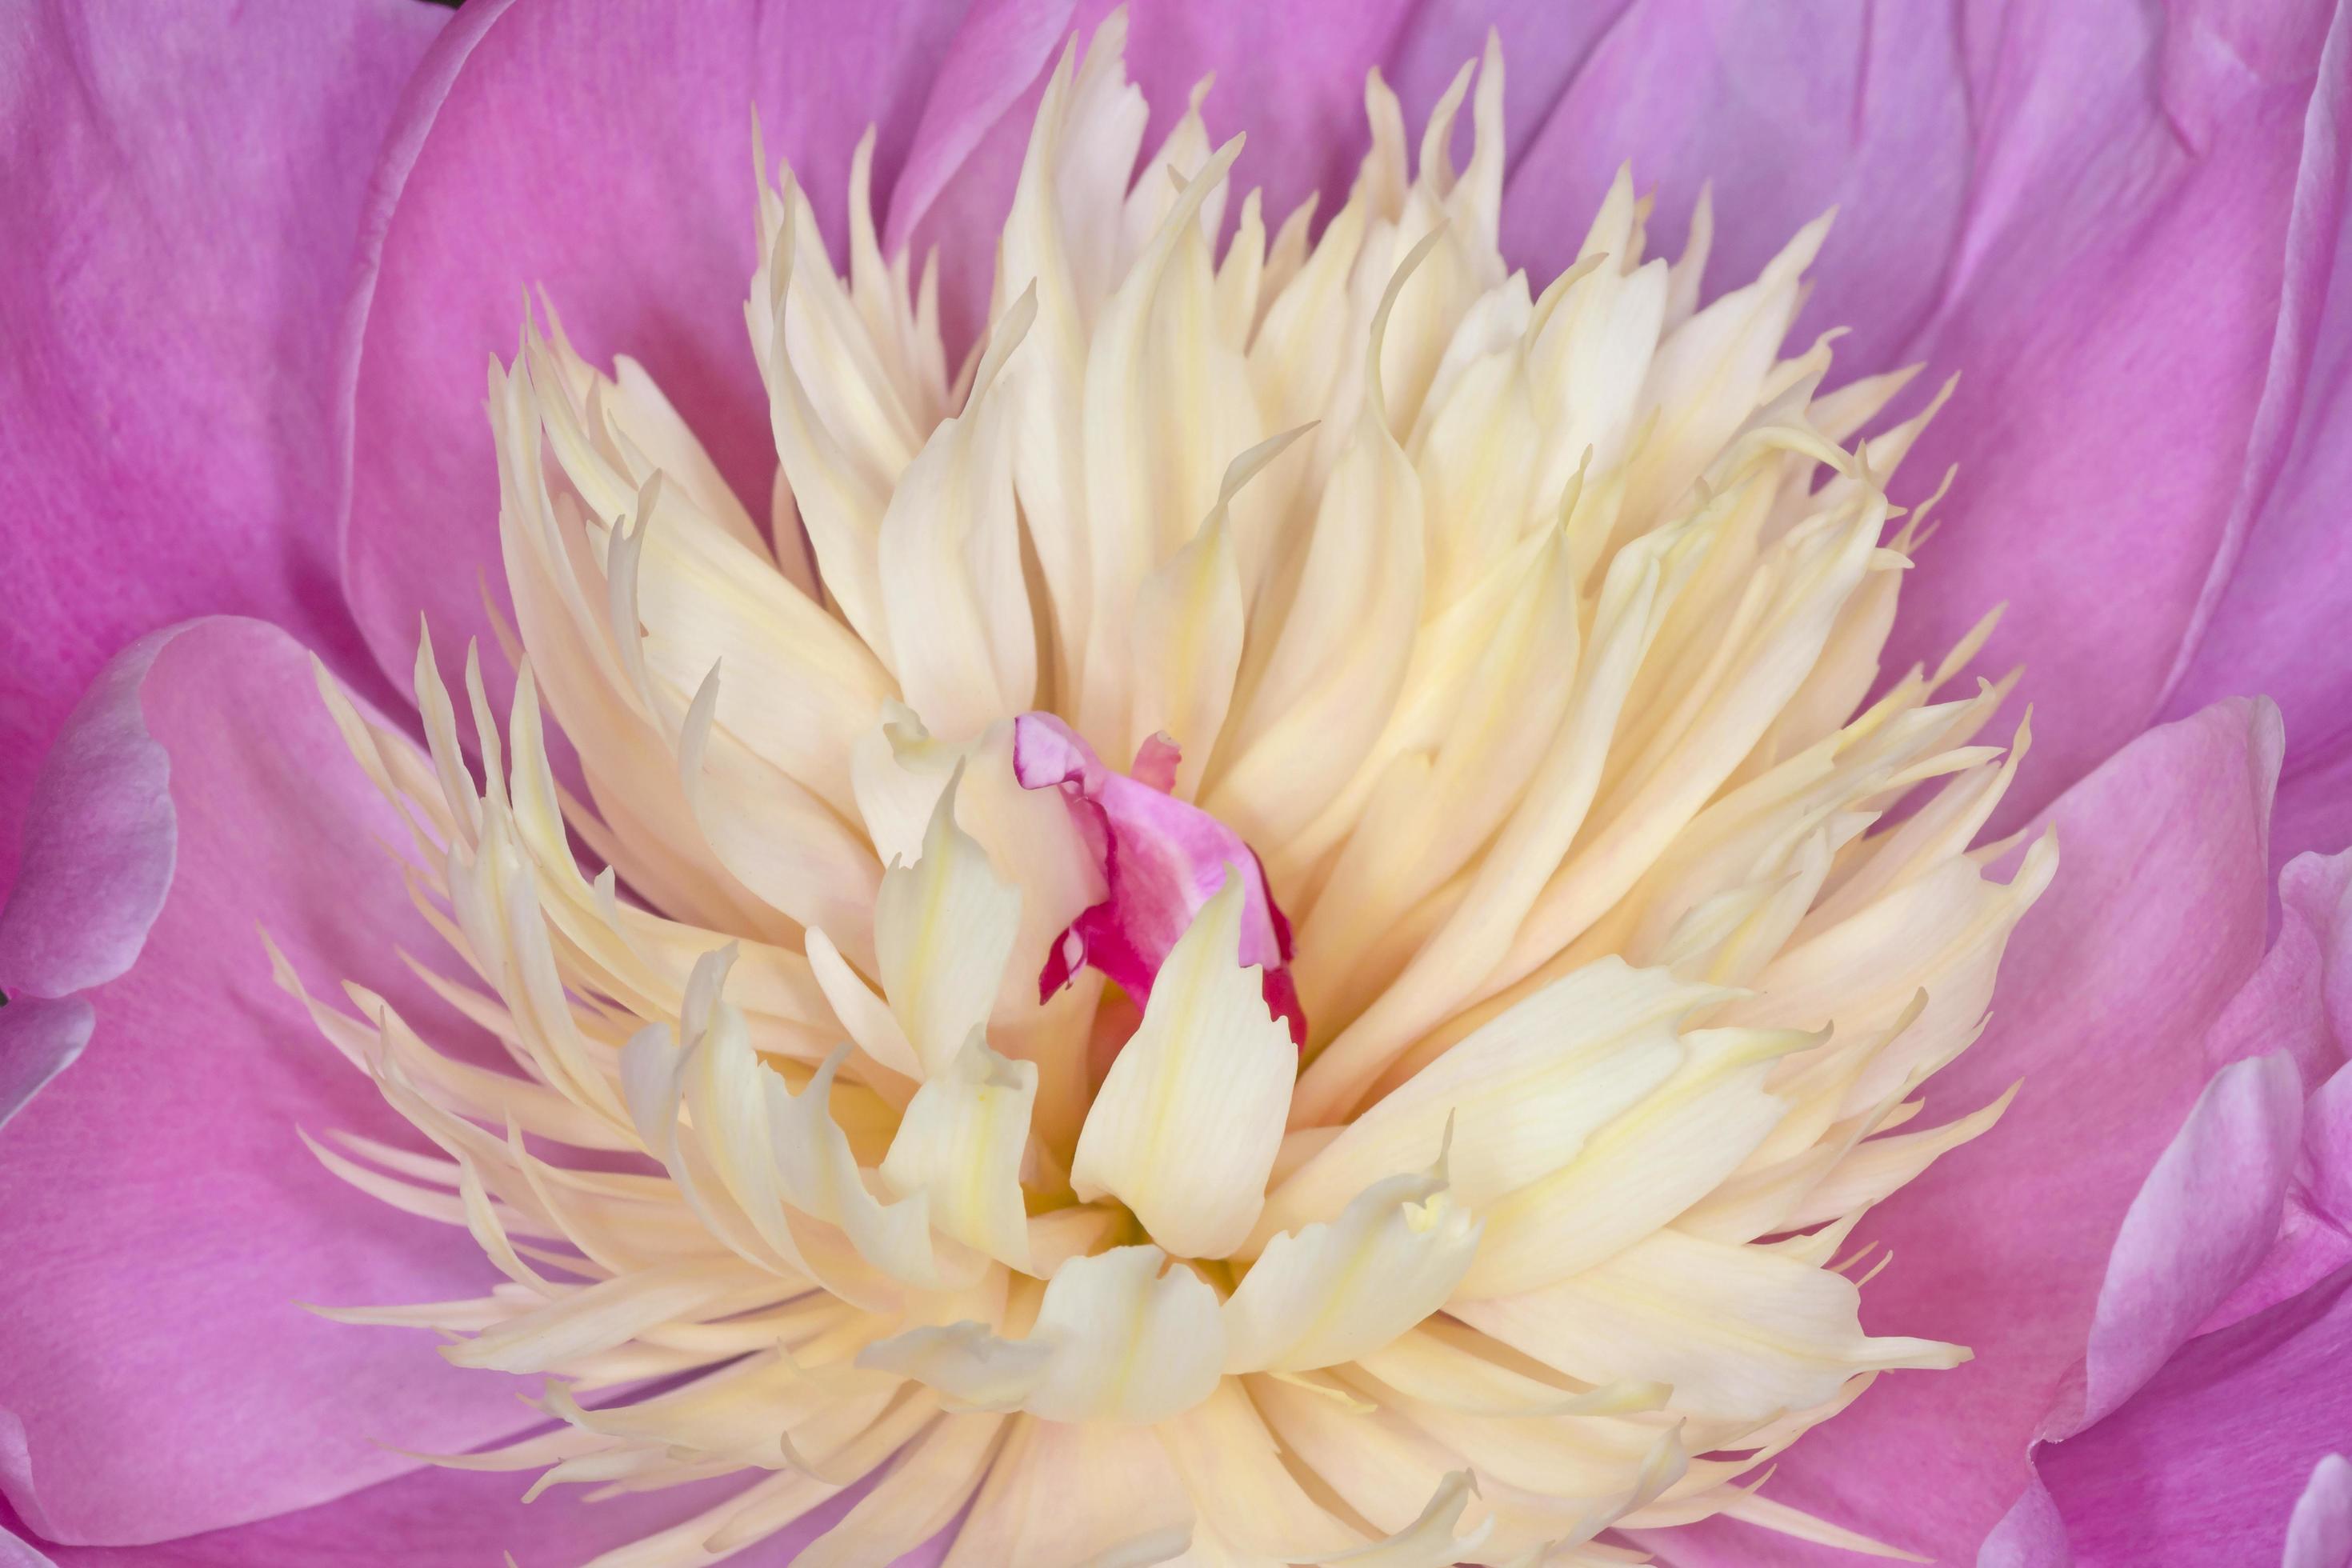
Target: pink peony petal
pixel 1806 105
pixel 2207 1464
pixel 604 152
pixel 183 197
pixel 998 59
pixel 1163 860
pixel 2301 1001
pixel 2284 592
pixel 2204 1217
pixel 2114 308
pixel 2033 1534
pixel 39 1038
pixel 99 838
pixel 2315 1230
pixel 2319 1532
pixel 2154 921
pixel 448 1519
pixel 162 1217
pixel 2314 808
pixel 2238 1200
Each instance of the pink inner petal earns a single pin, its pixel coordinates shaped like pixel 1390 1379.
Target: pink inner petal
pixel 1162 858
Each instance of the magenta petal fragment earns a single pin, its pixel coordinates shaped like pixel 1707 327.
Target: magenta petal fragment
pixel 183 197
pixel 1162 858
pixel 163 1218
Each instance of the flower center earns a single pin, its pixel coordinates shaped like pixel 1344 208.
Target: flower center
pixel 936 1105
pixel 1161 858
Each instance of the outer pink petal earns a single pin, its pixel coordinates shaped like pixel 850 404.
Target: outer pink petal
pixel 2282 599
pixel 2223 1196
pixel 997 60
pixel 2204 1217
pixel 2207 1464
pixel 602 151
pixel 2154 921
pixel 183 196
pixel 2319 1532
pixel 2115 309
pixel 2301 1001
pixel 445 1519
pixel 1788 110
pixel 159 1217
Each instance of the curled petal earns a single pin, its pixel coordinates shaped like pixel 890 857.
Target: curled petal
pixel 1162 858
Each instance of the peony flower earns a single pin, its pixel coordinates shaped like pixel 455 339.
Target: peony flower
pixel 1236 858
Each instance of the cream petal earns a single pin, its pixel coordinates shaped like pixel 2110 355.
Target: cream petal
pixel 1637 1172
pixel 1116 1339
pixel 921 1496
pixel 1188 1118
pixel 1429 1542
pixel 819 1175
pixel 1332 673
pixel 1164 408
pixel 1065 1496
pixel 1522 1094
pixel 1738 1331
pixel 961 1144
pixel 948 558
pixel 1328 1293
pixel 1233 1471
pixel 1190 615
pixel 942 930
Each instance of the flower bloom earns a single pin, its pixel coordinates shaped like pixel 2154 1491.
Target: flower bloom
pixel 1295 914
